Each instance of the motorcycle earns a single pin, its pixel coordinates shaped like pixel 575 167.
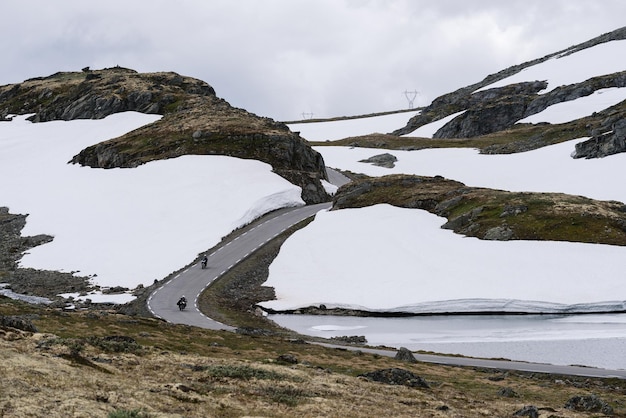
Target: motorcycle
pixel 203 264
pixel 182 304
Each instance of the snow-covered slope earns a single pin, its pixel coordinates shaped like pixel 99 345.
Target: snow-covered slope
pixel 605 58
pixel 126 227
pixel 383 258
pixel 387 258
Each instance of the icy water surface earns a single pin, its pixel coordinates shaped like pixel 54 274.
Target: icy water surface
pixel 589 340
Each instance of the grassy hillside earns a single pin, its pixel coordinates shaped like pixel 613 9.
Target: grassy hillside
pixel 100 363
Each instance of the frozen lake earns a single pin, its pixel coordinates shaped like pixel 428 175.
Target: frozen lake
pixel 588 340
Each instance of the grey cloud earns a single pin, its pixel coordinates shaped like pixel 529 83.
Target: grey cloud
pixel 280 58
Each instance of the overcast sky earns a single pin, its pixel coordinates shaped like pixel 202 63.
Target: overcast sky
pixel 283 58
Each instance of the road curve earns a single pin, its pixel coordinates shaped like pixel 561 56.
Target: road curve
pixel 194 280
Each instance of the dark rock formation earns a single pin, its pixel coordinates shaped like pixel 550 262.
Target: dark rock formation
pixel 396 376
pixel 385 160
pixel 492 110
pixel 500 108
pixel 611 140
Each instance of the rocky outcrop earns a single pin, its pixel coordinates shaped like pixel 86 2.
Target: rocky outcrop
pixel 498 109
pixel 493 214
pixel 195 121
pixel 492 110
pixel 98 94
pixel 611 139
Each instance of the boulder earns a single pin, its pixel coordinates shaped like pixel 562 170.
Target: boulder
pixel 17 322
pixel 404 354
pixel 385 160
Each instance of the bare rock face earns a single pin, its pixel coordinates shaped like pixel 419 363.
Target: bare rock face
pixel 492 111
pixel 610 140
pixel 195 121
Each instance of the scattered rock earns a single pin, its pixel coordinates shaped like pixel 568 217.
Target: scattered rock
pixel 259 332
pixel 396 376
pixel 589 403
pixel 513 210
pixel 287 358
pixel 353 339
pixel 508 393
pixel 115 290
pixel 499 233
pixel 527 411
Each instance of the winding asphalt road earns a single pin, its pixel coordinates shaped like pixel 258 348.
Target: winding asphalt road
pixel 193 281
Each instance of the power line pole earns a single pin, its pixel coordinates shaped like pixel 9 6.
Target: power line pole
pixel 410 96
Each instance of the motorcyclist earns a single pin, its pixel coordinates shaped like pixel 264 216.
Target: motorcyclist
pixel 205 260
pixel 182 302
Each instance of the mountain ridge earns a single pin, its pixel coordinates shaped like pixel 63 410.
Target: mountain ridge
pixel 492 110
